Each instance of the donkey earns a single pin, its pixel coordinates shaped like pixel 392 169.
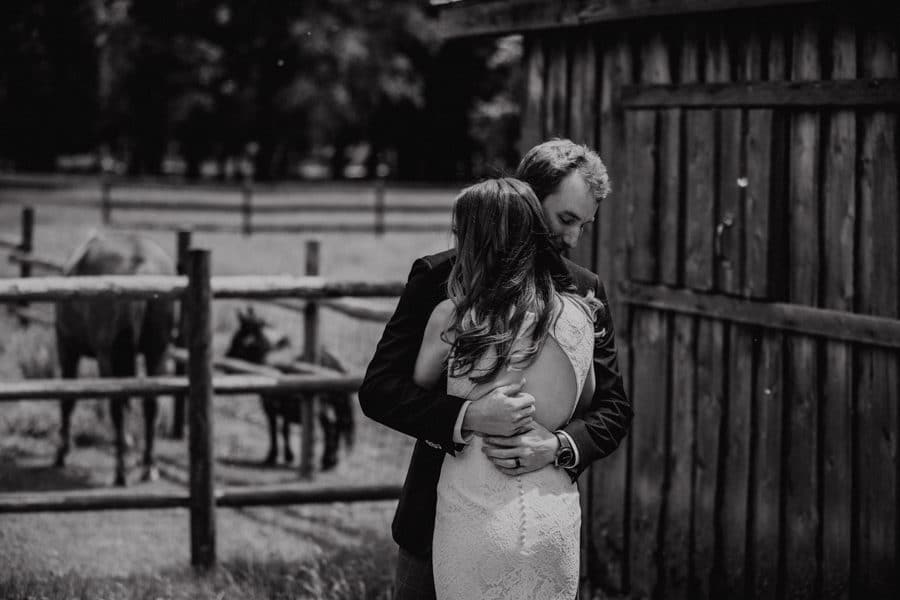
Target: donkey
pixel 114 332
pixel 253 341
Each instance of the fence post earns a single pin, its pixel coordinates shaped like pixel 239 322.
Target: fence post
pixel 198 299
pixel 379 205
pixel 183 245
pixel 247 205
pixel 105 199
pixel 26 246
pixel 311 354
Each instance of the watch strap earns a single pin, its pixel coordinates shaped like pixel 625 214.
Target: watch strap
pixel 565 455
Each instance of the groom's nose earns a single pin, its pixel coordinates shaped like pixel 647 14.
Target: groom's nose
pixel 570 238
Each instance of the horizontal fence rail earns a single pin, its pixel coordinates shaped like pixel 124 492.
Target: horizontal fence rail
pixel 225 286
pixel 288 227
pixel 821 322
pixel 342 306
pixel 9 243
pixel 55 389
pixel 759 94
pixel 234 497
pixel 273 208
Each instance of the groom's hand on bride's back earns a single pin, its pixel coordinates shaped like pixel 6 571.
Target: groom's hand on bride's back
pixel 505 410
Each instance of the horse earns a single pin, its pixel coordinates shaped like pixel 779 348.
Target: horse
pixel 114 332
pixel 253 342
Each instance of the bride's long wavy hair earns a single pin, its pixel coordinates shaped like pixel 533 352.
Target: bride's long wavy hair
pixel 506 266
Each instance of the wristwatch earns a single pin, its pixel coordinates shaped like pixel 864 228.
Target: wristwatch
pixel 565 456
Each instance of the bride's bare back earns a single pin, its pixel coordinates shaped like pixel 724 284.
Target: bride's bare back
pixel 551 378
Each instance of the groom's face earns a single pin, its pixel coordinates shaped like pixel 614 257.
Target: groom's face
pixel 568 209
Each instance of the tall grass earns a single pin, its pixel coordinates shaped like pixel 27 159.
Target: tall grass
pixel 362 573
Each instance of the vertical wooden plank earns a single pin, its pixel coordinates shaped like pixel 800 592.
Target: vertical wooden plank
pixel 733 458
pixel 609 566
pixel 182 247
pixel 583 85
pixel 670 179
pixel 650 355
pixel 644 251
pixel 612 247
pixel 757 213
pixel 729 224
pixel 779 191
pixel 699 191
pixel 26 241
pixel 641 224
pixel 839 218
pixel 582 125
pixel 678 500
pixel 766 157
pixel 878 292
pixel 310 354
pixel 198 298
pixel 736 456
pixel 26 246
pixel 247 206
pixel 533 110
pixel 557 88
pixel 766 452
pixel 802 519
pixel 709 386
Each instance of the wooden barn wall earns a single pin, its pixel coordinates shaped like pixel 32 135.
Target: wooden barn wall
pixel 762 463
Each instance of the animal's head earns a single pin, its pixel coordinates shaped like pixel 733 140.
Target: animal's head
pixel 254 338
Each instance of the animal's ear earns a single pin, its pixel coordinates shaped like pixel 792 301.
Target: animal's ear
pixel 241 316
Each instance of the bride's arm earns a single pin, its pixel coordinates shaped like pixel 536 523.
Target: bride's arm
pixel 434 349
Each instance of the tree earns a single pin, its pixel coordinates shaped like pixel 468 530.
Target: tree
pixel 48 80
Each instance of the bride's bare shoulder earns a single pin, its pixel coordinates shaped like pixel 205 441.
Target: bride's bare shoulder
pixel 440 319
pixel 443 312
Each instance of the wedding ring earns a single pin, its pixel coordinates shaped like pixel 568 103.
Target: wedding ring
pixel 518 464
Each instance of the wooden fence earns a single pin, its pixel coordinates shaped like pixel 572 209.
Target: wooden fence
pixel 196 290
pixel 22 252
pixel 247 208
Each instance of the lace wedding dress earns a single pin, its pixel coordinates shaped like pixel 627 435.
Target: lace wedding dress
pixel 511 537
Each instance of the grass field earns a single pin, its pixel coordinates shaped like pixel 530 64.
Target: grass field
pixel 340 550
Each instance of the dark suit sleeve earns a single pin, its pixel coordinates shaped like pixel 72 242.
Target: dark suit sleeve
pixel 388 394
pixel 598 430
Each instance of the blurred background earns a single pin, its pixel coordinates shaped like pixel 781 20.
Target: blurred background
pixel 210 89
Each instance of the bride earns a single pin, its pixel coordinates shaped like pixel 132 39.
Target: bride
pixel 508 319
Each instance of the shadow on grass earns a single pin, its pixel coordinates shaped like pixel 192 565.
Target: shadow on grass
pixel 37 474
pixel 339 574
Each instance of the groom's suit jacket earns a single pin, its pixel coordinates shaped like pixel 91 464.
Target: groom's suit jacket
pixel 389 396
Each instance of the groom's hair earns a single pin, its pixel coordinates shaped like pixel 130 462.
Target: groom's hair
pixel 547 164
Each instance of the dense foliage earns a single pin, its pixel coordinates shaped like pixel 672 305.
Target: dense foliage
pixel 267 83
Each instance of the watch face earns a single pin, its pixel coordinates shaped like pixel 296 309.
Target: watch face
pixel 565 457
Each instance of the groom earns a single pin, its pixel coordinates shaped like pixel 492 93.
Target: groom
pixel 569 180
